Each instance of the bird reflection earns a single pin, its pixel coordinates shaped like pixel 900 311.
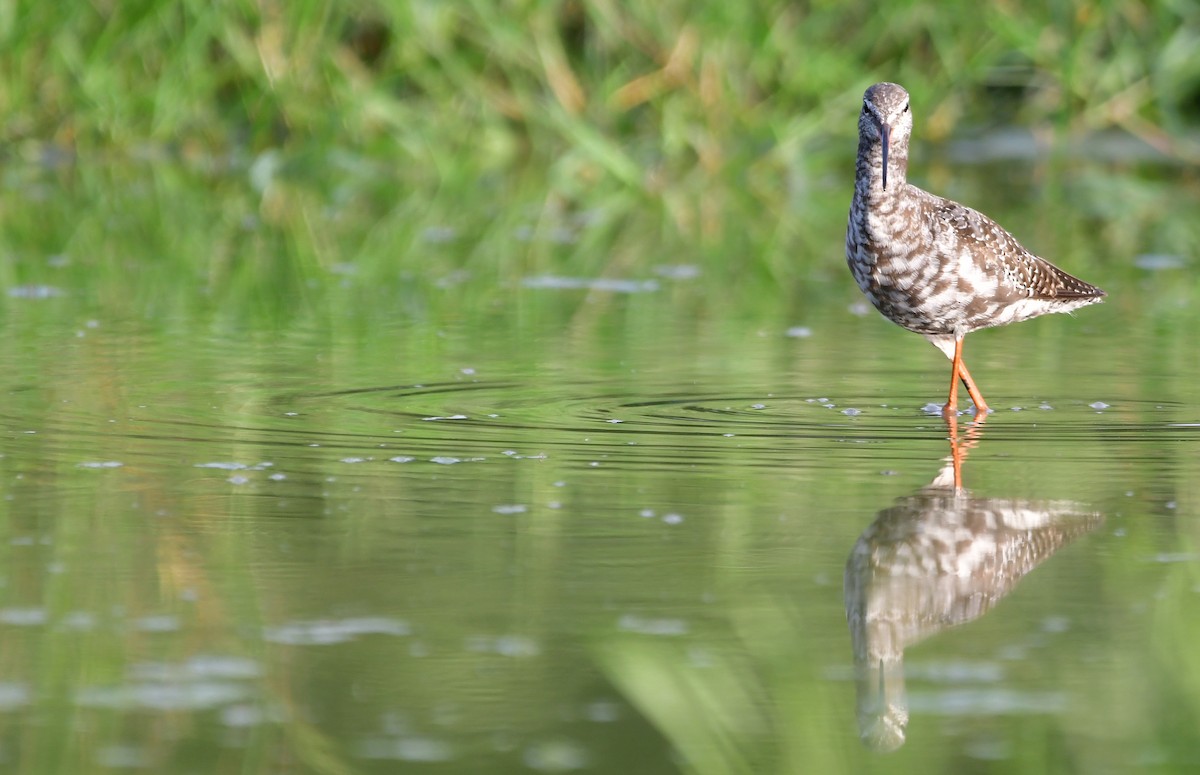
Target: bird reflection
pixel 938 558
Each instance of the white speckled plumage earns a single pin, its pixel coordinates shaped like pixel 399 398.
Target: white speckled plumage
pixel 930 264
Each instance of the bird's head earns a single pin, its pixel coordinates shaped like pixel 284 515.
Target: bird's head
pixel 886 119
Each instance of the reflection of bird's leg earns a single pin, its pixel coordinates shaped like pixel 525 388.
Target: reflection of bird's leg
pixel 958 453
pixel 959 449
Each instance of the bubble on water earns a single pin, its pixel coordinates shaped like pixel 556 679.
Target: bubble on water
pixel 35 292
pixel 1174 557
pixel 457 277
pixel 504 645
pixel 78 620
pixel 1156 262
pixel 1056 624
pixel 197 695
pixel 13 696
pixel 852 412
pixel 1098 405
pixel 509 508
pixel 238 479
pixel 646 625
pixel 932 409
pixel 610 284
pixel 402 459
pixel 324 632
pixel 439 234
pixel 408 749
pixel 444 460
pixel 799 332
pixel 101 464
pixel 23 617
pixel 243 715
pixel 158 623
pixel 677 271
pixel 556 756
pixel 602 712
pixel 672 519
pixel 122 757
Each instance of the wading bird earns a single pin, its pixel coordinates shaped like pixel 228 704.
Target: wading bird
pixel 932 265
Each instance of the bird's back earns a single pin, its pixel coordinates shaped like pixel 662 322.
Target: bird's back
pixel 940 268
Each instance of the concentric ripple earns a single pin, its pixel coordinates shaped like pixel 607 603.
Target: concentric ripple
pixel 696 426
pixel 577 422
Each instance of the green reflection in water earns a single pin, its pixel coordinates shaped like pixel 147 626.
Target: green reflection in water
pixel 327 479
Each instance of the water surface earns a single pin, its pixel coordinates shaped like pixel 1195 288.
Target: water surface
pixel 550 524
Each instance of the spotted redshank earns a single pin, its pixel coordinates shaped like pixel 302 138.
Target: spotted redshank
pixel 932 265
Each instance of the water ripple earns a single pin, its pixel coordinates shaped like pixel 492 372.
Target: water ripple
pixel 593 424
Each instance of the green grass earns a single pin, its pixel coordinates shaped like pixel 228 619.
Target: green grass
pixel 641 91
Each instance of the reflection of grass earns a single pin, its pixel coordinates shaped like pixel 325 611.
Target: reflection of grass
pixel 327 242
pixel 1177 664
pixel 761 699
pixel 761 706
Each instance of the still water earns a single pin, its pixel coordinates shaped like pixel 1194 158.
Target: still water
pixel 595 534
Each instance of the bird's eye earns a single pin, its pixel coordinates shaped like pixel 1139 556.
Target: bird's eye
pixel 905 108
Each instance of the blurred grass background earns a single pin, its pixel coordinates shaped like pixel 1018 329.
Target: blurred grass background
pixel 405 139
pixel 642 92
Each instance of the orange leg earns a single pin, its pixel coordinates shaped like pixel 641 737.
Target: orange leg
pixel 981 407
pixel 951 407
pixel 959 371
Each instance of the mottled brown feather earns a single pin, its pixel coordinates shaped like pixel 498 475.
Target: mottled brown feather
pixel 1033 277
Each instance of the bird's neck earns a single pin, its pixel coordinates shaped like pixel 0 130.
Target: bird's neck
pixel 868 178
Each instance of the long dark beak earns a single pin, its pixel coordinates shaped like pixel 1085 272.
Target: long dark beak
pixel 885 132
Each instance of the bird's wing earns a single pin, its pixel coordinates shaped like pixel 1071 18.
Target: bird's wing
pixel 1023 273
